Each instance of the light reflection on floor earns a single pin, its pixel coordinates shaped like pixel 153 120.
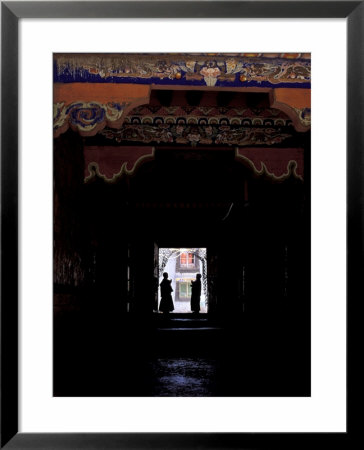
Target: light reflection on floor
pixel 189 377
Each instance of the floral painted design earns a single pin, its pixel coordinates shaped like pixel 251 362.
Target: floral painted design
pixel 86 117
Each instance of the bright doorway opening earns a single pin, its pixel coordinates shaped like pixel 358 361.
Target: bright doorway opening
pixel 182 266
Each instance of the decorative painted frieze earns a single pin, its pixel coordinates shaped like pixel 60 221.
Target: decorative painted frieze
pixel 213 69
pixel 206 115
pixel 167 124
pixel 197 134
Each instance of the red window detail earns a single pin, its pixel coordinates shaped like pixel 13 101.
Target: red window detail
pixel 183 259
pixel 187 259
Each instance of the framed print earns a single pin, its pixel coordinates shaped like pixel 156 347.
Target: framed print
pixel 179 249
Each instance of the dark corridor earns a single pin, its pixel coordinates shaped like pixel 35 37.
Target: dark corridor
pixel 255 340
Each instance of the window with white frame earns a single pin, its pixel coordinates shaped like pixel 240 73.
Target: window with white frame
pixel 187 259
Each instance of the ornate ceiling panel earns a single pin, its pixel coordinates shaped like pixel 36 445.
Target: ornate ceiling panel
pixel 125 104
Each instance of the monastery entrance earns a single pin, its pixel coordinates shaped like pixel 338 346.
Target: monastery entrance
pixel 194 197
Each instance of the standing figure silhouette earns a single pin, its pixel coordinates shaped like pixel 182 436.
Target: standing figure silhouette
pixel 196 294
pixel 166 305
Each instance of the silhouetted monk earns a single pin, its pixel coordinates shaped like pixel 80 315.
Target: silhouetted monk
pixel 196 294
pixel 166 305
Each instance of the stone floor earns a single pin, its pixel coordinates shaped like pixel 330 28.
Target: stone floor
pixel 189 377
pixel 178 355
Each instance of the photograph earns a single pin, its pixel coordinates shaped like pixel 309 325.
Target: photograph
pixel 181 240
pixel 181 224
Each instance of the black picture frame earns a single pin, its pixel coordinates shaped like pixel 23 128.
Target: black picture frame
pixel 11 12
